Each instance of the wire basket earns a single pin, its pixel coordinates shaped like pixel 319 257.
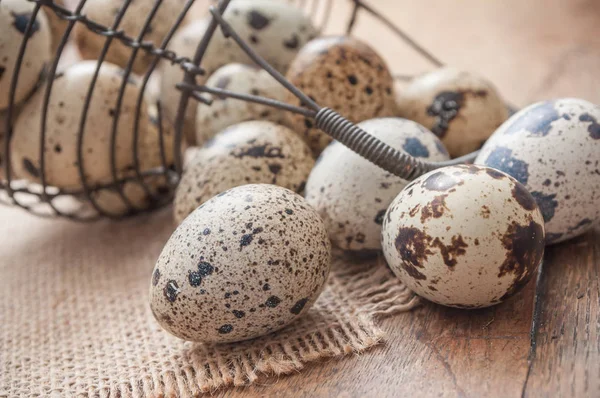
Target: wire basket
pixel 155 185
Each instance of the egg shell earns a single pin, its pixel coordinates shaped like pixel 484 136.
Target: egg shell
pixel 58 26
pixel 343 74
pixel 464 236
pixel 275 30
pixel 62 127
pixel 460 107
pixel 351 194
pixel 156 191
pixel 225 112
pixel 553 148
pixel 14 18
pixel 105 12
pixel 246 153
pixel 246 263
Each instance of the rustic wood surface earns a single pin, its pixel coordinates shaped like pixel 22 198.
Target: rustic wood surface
pixel 546 340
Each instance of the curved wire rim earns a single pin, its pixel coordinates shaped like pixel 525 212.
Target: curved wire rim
pixel 191 68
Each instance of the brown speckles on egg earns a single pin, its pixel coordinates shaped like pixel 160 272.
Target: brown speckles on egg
pixel 483 245
pixel 333 71
pixel 460 107
pixel 411 244
pixel 246 153
pixel 518 241
pixel 237 295
pixel 551 148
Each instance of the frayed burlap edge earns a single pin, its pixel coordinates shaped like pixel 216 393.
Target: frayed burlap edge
pixel 369 287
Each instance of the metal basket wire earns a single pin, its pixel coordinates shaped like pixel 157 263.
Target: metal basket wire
pixel 82 204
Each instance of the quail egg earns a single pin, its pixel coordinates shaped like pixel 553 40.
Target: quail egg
pixel 246 263
pixel 464 236
pixel 553 148
pixel 460 107
pixel 224 112
pixel 61 141
pixel 105 12
pixel 245 153
pixel 345 75
pixel 14 18
pixel 351 194
pixel 275 30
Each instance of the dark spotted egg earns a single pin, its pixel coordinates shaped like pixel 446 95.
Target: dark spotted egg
pixel 344 74
pixel 246 263
pixel 274 29
pixel 225 112
pixel 460 107
pixel 15 16
pixel 553 148
pixel 351 194
pixel 254 152
pixel 464 236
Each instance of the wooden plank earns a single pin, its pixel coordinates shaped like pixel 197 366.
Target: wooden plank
pixel 433 351
pixel 566 356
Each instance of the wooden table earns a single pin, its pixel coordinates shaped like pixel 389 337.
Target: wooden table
pixel 546 340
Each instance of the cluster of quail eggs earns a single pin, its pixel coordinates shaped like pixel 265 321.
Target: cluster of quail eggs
pixel 265 194
pixel 465 236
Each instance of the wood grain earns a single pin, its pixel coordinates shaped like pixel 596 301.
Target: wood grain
pixel 433 351
pixel 566 343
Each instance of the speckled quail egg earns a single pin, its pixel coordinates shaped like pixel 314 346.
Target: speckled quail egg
pixel 224 112
pixel 246 263
pixel 14 18
pixel 155 155
pixel 275 30
pixel 105 12
pixel 460 107
pixel 61 143
pixel 345 75
pixel 245 153
pixel 553 148
pixel 351 194
pixel 464 236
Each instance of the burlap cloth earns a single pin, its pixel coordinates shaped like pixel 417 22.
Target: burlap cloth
pixel 75 319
